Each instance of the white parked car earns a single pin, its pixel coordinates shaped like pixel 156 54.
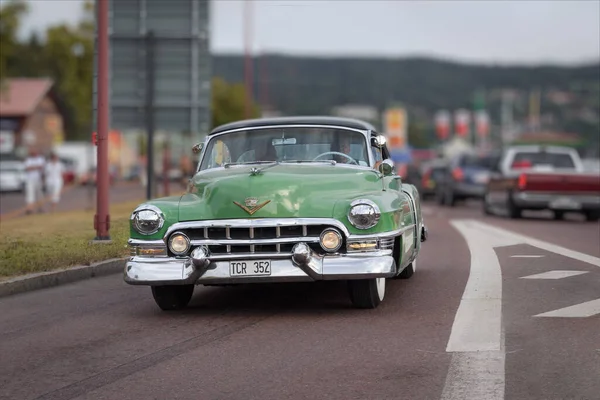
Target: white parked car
pixel 12 176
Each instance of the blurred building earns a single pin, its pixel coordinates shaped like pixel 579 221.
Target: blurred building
pixel 29 116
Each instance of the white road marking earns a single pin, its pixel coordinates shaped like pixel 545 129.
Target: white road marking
pixel 583 310
pixel 475 375
pixel 477 368
pixel 556 274
pixel 477 324
pixel 525 256
pixel 517 238
pixel 477 341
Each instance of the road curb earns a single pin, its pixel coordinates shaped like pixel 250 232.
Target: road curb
pixel 44 280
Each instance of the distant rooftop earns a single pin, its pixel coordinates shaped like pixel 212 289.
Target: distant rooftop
pixel 20 96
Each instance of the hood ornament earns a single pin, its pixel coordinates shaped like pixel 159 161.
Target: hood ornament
pixel 251 205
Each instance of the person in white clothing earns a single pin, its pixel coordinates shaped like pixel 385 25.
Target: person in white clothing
pixel 54 179
pixel 34 167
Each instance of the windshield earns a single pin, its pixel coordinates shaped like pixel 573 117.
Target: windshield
pixel 535 159
pixel 286 144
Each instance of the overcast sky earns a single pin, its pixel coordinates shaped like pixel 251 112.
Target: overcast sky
pixel 506 31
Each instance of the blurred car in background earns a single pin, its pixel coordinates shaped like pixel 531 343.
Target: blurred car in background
pixel 591 165
pixel 69 172
pixel 542 178
pixel 12 175
pixel 411 174
pixel 464 177
pixel 431 174
pixel 90 177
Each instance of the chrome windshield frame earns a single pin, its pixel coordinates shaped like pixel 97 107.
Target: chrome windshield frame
pixel 365 133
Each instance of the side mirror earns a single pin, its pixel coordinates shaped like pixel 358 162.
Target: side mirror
pixel 378 141
pixel 386 167
pixel 197 148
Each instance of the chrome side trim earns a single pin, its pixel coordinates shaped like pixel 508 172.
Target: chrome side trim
pixel 396 232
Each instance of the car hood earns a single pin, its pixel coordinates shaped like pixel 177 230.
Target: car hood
pixel 283 191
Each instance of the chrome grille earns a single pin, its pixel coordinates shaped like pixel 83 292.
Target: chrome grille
pixel 386 243
pixel 254 239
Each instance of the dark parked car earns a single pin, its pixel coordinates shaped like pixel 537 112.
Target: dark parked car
pixel 465 177
pixel 432 173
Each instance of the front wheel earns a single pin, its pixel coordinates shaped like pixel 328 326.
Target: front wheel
pixel 408 271
pixel 172 297
pixel 514 212
pixel 366 293
pixel 592 216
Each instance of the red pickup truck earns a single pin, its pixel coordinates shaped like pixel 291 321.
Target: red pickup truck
pixel 542 178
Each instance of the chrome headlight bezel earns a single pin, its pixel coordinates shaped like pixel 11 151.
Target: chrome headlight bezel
pixel 150 209
pixel 361 209
pixel 187 240
pixel 337 234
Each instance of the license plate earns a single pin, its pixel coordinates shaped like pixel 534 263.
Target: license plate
pixel 250 268
pixel 565 203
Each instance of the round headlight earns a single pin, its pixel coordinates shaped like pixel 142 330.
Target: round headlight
pixel 331 240
pixel 147 220
pixel 179 243
pixel 363 214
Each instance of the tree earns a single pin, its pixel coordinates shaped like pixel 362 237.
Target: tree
pixel 228 102
pixel 11 13
pixel 418 135
pixel 69 59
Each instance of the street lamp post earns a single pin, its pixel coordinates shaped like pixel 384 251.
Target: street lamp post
pixel 102 218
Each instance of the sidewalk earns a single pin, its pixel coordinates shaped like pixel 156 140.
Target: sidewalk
pixel 78 197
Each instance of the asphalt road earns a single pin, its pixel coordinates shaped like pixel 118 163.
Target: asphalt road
pixel 510 333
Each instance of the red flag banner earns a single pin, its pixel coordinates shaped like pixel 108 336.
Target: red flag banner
pixel 482 123
pixel 442 124
pixel 461 123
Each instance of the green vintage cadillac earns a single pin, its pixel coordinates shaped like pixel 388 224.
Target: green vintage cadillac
pixel 281 200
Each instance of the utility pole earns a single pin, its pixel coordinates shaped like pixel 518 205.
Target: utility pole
pixel 102 218
pixel 150 193
pixel 248 72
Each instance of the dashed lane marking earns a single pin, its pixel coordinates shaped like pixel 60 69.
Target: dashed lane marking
pixel 526 256
pixel 582 310
pixel 557 274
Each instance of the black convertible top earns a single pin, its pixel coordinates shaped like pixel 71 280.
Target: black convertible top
pixel 304 120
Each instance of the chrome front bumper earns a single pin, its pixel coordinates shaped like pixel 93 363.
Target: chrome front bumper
pixel 301 265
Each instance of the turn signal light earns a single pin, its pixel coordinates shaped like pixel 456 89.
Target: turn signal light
pixel 148 251
pixel 522 181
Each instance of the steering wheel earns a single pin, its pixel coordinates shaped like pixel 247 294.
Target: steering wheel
pixel 352 160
